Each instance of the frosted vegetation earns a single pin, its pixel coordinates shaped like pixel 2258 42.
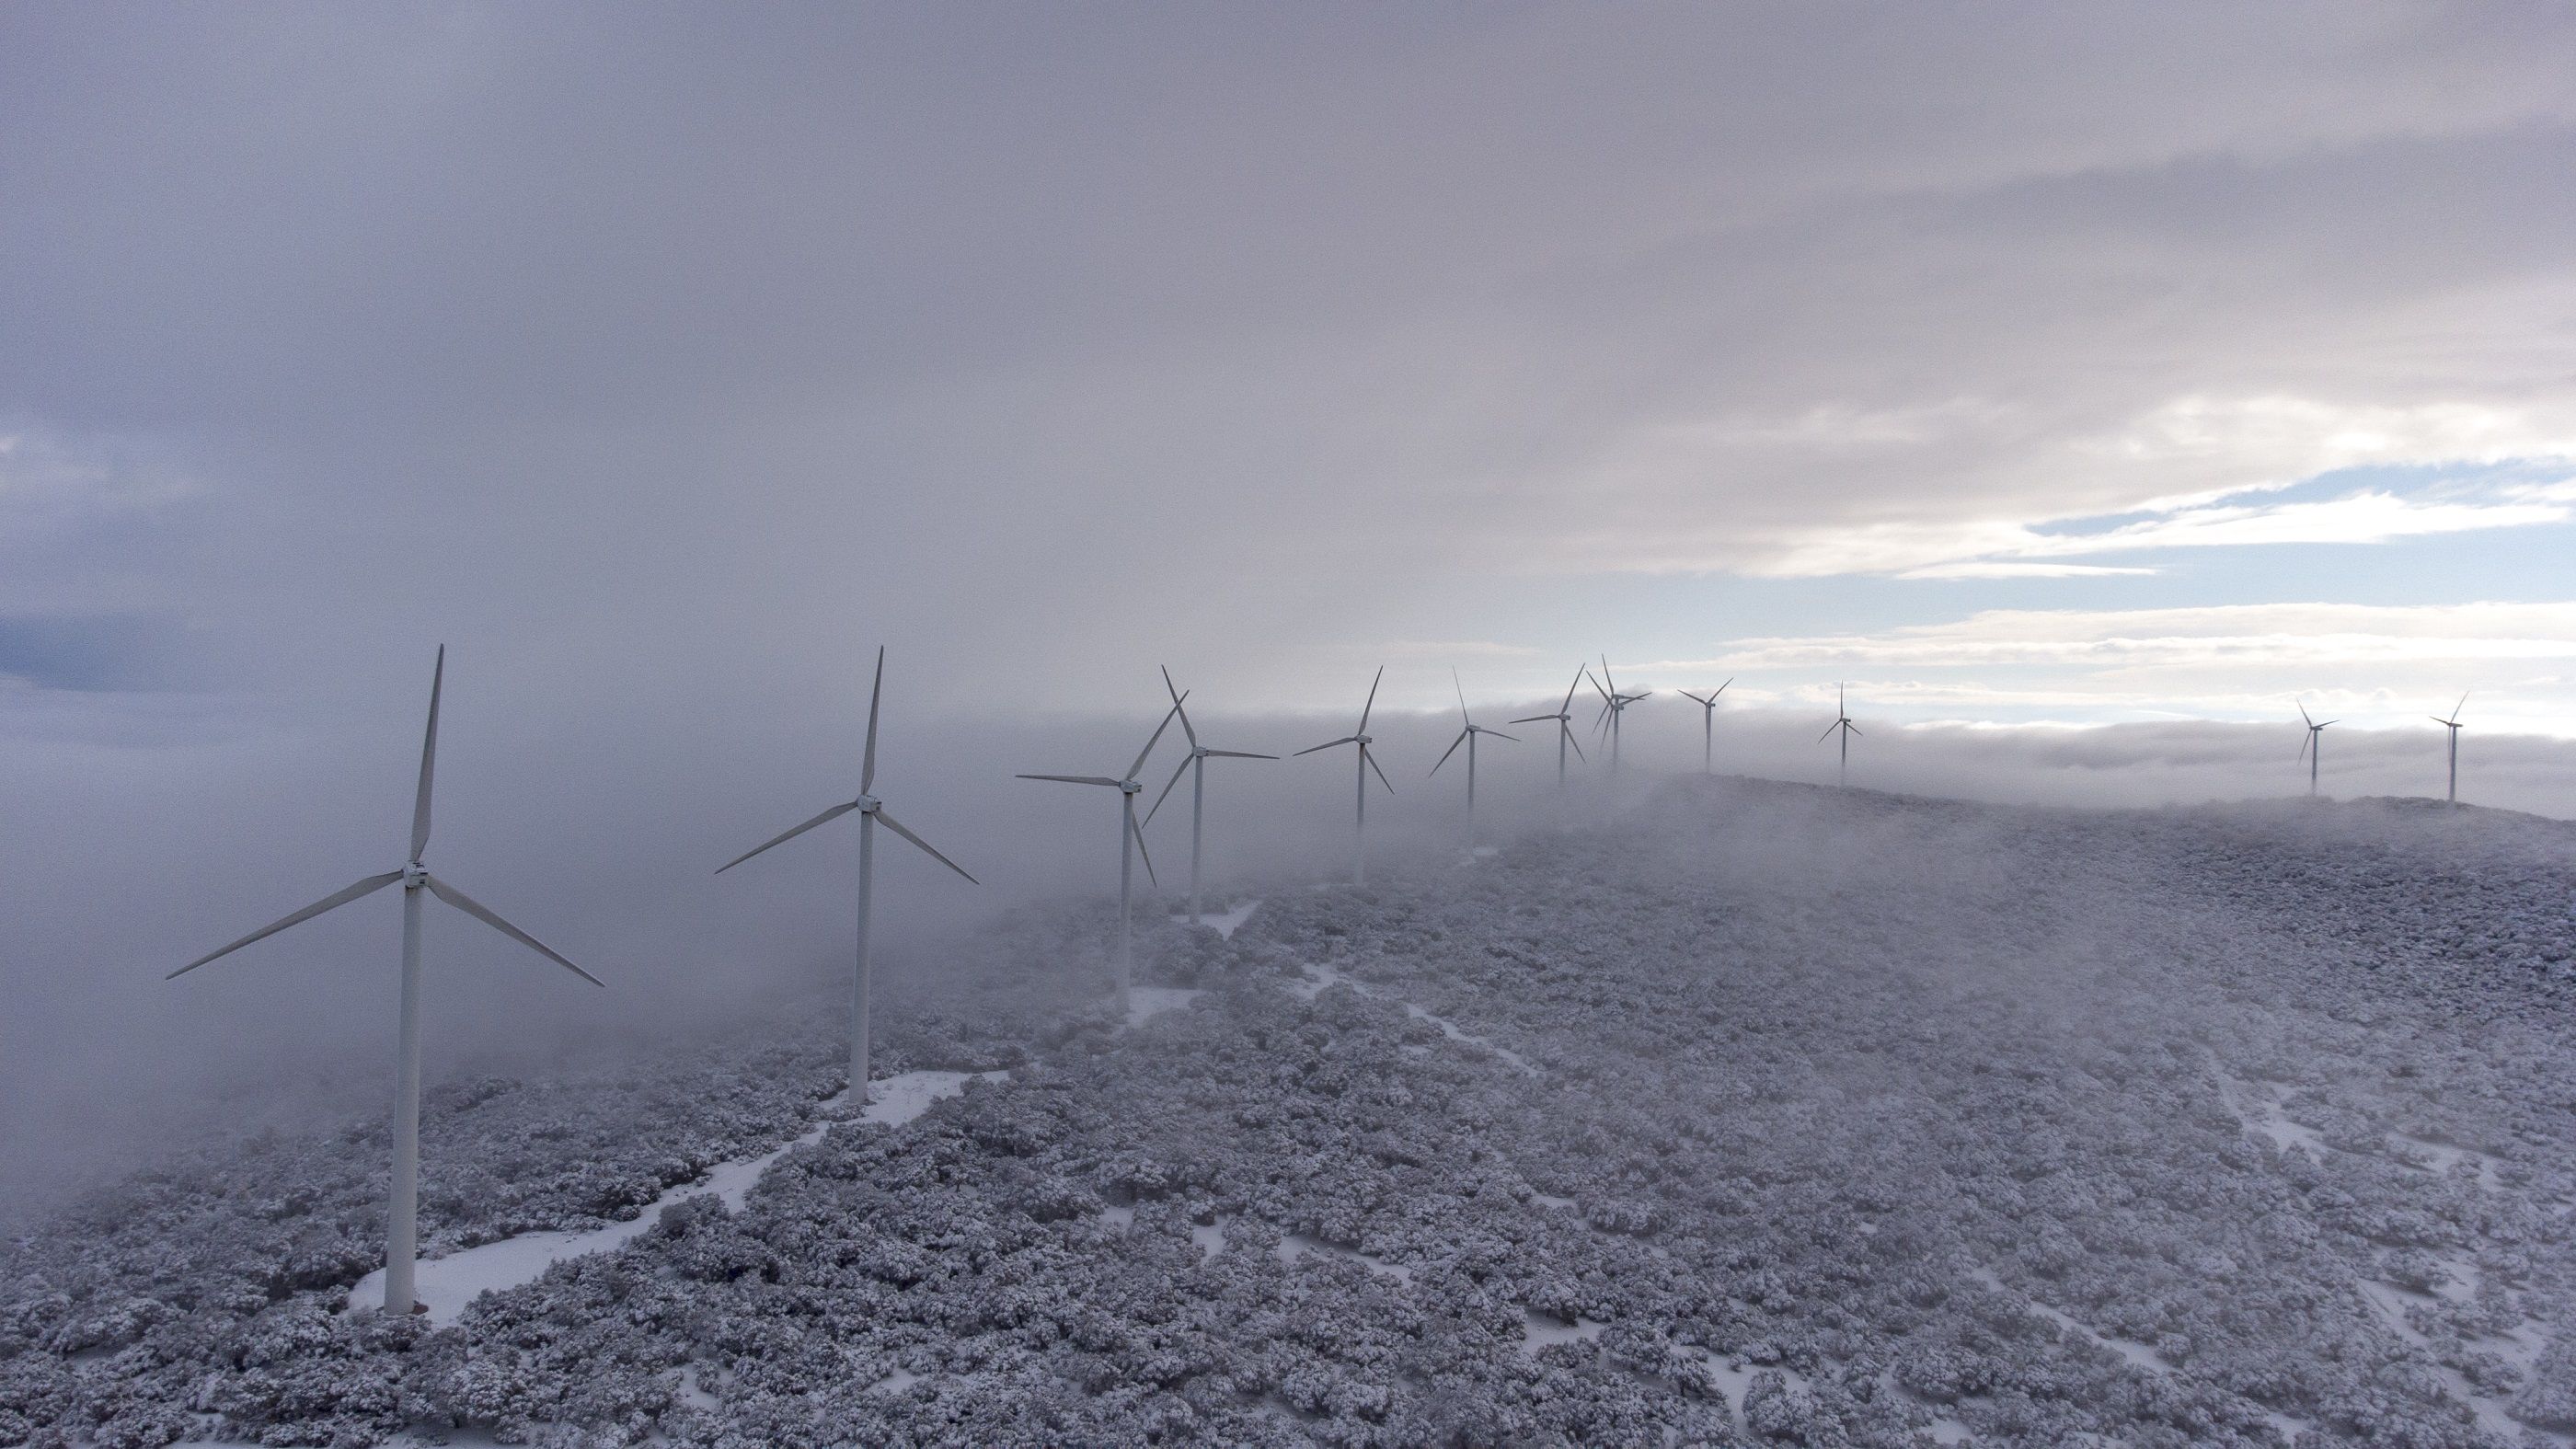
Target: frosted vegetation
pixel 1764 1115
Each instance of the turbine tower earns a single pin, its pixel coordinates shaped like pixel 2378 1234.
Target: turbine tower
pixel 1196 765
pixel 1707 724
pixel 1564 718
pixel 1842 723
pixel 1614 706
pixel 1467 737
pixel 402 1209
pixel 1368 762
pixel 871 815
pixel 1129 834
pixel 2314 746
pixel 2453 725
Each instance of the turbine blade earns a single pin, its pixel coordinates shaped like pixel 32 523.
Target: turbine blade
pixel 2437 719
pixel 1530 719
pixel 834 813
pixel 428 760
pixel 1596 685
pixel 889 823
pixel 483 913
pixel 2305 741
pixel 1369 759
pixel 1183 769
pixel 1829 731
pixel 2303 714
pixel 868 767
pixel 1155 738
pixel 1498 734
pixel 1855 729
pixel 1071 780
pixel 2455 709
pixel 1605 674
pixel 1571 740
pixel 1328 744
pixel 1580 675
pixel 1142 853
pixel 1462 694
pixel 1241 755
pixel 1372 700
pixel 1453 749
pixel 1695 699
pixel 1721 689
pixel 1176 704
pixel 332 901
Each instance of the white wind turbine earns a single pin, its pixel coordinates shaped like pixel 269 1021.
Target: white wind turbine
pixel 1196 765
pixel 1368 762
pixel 1614 708
pixel 1564 718
pixel 1842 722
pixel 1707 724
pixel 2314 746
pixel 2453 725
pixel 1467 737
pixel 871 815
pixel 1129 834
pixel 402 1212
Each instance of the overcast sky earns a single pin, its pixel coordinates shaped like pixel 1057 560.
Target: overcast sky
pixel 2019 365
pixel 2045 362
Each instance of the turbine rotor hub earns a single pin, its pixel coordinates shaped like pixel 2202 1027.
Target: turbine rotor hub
pixel 1364 740
pixel 870 804
pixel 1130 787
pixel 415 875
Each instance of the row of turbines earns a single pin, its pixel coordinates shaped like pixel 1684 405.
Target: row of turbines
pixel 418 884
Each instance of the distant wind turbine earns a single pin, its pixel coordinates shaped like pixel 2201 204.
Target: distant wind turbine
pixel 2453 725
pixel 1467 737
pixel 1707 724
pixel 1129 834
pixel 1196 765
pixel 1368 762
pixel 1842 722
pixel 871 815
pixel 1564 718
pixel 1614 707
pixel 402 1213
pixel 2314 746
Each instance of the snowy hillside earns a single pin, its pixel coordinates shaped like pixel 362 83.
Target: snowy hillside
pixel 1763 1114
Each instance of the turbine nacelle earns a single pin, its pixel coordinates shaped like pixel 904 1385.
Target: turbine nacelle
pixel 415 876
pixel 868 804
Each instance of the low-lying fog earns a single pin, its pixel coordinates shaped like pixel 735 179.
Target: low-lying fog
pixel 128 860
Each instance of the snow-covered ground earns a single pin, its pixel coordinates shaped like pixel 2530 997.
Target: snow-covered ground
pixel 1761 1114
pixel 444 1286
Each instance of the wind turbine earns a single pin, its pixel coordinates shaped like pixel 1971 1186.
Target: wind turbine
pixel 1129 833
pixel 2453 725
pixel 1614 706
pixel 402 1210
pixel 871 815
pixel 1368 762
pixel 1196 764
pixel 1842 722
pixel 1564 718
pixel 2314 746
pixel 1467 737
pixel 1707 723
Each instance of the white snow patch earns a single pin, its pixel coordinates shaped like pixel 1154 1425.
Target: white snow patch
pixel 2391 1304
pixel 1325 976
pixel 1546 1201
pixel 1297 1245
pixel 1120 1214
pixel 895 1382
pixel 1146 1002
pixel 446 1285
pixel 1226 924
pixel 1210 1238
pixel 1541 1329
